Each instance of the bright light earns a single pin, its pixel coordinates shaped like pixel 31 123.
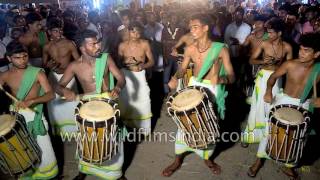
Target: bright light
pixel 96 4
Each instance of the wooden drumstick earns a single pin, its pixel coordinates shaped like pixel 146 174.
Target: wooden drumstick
pixel 12 97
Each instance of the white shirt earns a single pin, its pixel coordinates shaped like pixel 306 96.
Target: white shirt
pixel 239 32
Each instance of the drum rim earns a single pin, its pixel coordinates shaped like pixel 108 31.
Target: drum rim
pixel 305 113
pixel 17 126
pixel 101 123
pixel 171 98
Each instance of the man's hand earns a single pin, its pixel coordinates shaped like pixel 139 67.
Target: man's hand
pixel 316 102
pixel 69 95
pixel 173 83
pixel 174 52
pixel 25 104
pixel 268 97
pixel 115 92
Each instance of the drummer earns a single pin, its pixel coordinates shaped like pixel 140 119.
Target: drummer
pixel 212 76
pixel 93 71
pixel 300 75
pixel 31 87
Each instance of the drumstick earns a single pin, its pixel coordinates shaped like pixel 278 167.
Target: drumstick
pixel 12 97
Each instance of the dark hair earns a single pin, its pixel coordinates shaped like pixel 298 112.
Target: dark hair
pixel 311 40
pixel 54 23
pixel 82 35
pixel 33 17
pixel 203 18
pixel 260 18
pixel 15 47
pixel 125 12
pixel 285 7
pixel 240 10
pixel 311 9
pixel 276 24
pixel 137 25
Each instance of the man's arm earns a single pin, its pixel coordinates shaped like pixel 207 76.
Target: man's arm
pixel 74 51
pixel 150 61
pixel 288 52
pixel 256 53
pixel 230 78
pixel 45 55
pixel 282 70
pixel 117 73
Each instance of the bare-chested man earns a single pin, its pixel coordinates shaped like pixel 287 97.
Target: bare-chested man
pixel 57 55
pixel 31 87
pixel 301 74
pixel 274 52
pixel 135 103
pixel 34 39
pixel 205 76
pixel 94 79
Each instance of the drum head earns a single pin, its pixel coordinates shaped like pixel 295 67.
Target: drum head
pixel 289 116
pixel 96 111
pixel 187 99
pixel 7 122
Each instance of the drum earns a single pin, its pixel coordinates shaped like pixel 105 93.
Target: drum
pixel 96 120
pixel 192 110
pixel 18 150
pixel 287 132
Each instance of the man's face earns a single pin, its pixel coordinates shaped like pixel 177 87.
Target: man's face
pixel 92 47
pixel 291 20
pixel 258 26
pixel 310 15
pixel 134 33
pixel 36 26
pixel 56 33
pixel 125 20
pixel 307 54
pixel 20 22
pixel 273 35
pixel 238 16
pixel 19 60
pixel 197 29
pixel 151 19
pixel 283 14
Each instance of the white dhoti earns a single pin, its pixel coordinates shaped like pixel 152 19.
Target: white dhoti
pixel 48 167
pixel 257 116
pixel 280 98
pixel 180 145
pixel 135 103
pixel 61 112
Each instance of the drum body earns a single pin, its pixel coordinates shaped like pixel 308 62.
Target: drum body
pixel 18 150
pixel 287 133
pixel 96 120
pixel 192 111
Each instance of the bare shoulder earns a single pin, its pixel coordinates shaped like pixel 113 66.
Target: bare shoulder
pixel 144 42
pixel 123 44
pixel 287 46
pixel 42 75
pixel 224 51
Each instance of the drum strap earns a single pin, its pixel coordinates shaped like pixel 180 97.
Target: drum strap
pixel 212 56
pixel 36 126
pixel 42 38
pixel 99 72
pixel 306 91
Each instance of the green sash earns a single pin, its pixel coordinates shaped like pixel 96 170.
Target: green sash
pixel 265 37
pixel 313 75
pixel 35 127
pixel 99 73
pixel 212 56
pixel 42 38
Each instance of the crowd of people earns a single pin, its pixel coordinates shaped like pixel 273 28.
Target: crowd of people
pixel 55 57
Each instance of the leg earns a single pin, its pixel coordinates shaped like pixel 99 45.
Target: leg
pixel 214 167
pixel 80 176
pixel 290 172
pixel 253 170
pixel 168 171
